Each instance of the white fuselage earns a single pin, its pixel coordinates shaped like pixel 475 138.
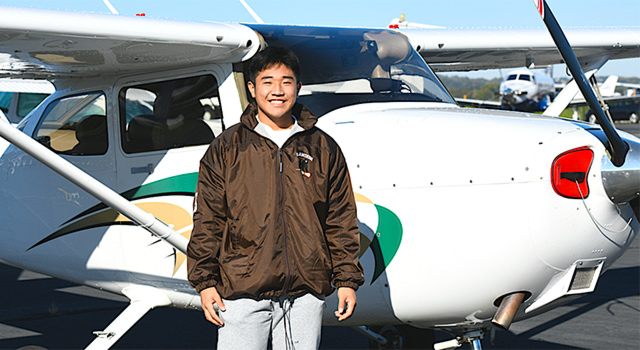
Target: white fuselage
pixel 470 191
pixel 457 208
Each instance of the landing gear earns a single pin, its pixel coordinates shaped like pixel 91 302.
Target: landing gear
pixel 545 102
pixel 394 336
pixel 473 338
pixel 398 337
pixel 407 337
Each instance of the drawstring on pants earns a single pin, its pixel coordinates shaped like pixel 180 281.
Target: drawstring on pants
pixel 286 303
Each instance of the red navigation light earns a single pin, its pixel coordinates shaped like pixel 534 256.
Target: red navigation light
pixel 394 26
pixel 569 173
pixel 140 14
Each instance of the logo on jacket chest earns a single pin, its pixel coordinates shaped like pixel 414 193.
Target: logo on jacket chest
pixel 303 163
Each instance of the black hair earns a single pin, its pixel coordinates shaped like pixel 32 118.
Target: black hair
pixel 271 56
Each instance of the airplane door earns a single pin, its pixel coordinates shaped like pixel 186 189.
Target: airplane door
pixel 165 127
pixel 48 209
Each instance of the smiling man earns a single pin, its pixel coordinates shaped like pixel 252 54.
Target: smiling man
pixel 275 227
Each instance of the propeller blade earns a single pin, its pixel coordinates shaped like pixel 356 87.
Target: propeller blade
pixel 617 147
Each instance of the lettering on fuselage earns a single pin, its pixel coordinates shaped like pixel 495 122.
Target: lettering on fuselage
pixel 70 197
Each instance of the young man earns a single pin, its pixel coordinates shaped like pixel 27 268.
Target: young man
pixel 275 227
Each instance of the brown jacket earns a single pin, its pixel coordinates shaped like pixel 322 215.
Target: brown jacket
pixel 270 221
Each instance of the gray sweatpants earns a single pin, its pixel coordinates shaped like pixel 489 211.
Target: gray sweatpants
pixel 290 323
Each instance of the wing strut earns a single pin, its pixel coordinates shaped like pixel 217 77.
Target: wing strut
pixel 616 147
pixel 143 299
pixel 92 186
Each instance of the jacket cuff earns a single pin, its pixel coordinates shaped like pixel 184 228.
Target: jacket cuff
pixel 204 285
pixel 352 285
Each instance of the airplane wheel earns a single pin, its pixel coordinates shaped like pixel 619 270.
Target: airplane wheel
pixel 633 118
pixel 635 205
pixel 394 336
pixel 405 337
pixel 546 101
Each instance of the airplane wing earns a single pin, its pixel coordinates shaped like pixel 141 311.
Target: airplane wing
pixel 475 49
pixel 629 85
pixel 45 44
pixel 48 44
pixel 467 102
pixel 610 99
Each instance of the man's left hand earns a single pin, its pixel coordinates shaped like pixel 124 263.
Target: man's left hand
pixel 346 303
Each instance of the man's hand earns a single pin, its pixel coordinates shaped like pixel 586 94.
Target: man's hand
pixel 346 303
pixel 208 297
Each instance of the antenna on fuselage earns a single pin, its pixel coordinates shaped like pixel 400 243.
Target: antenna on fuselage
pixel 251 12
pixel 111 7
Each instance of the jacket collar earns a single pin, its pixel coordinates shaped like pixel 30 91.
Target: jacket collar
pixel 305 117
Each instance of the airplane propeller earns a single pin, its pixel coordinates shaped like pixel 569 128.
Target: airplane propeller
pixel 617 147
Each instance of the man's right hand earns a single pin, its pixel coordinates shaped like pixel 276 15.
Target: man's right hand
pixel 208 297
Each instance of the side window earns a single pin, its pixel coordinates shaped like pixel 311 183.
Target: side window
pixel 170 114
pixel 75 125
pixel 27 102
pixel 5 101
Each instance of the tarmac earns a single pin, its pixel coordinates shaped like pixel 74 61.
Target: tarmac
pixel 40 312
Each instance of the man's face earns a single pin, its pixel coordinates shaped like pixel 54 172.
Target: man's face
pixel 275 91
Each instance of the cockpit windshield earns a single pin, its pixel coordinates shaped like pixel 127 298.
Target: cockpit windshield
pixel 347 66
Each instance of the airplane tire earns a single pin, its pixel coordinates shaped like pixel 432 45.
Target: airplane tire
pixel 404 337
pixel 546 101
pixel 633 118
pixel 635 205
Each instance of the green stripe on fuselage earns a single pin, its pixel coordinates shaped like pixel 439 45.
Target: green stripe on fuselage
pixel 387 239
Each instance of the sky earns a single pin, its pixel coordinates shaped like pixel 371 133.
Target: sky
pixel 378 14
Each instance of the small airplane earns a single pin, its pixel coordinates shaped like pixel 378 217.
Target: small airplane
pixel 468 218
pixel 527 90
pixel 534 90
pixel 523 90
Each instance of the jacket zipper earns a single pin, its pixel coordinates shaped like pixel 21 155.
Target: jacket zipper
pixel 287 278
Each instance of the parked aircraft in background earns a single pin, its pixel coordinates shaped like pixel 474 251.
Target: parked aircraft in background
pixel 519 85
pixel 631 89
pixel 459 50
pixel 527 90
pixel 468 218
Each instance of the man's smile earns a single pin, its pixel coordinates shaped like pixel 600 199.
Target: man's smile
pixel 275 91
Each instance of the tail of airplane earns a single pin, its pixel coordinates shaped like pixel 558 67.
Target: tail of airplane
pixel 401 22
pixel 608 88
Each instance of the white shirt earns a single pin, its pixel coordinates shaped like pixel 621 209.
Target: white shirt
pixel 277 136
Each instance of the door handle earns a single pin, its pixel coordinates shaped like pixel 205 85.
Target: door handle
pixel 143 169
